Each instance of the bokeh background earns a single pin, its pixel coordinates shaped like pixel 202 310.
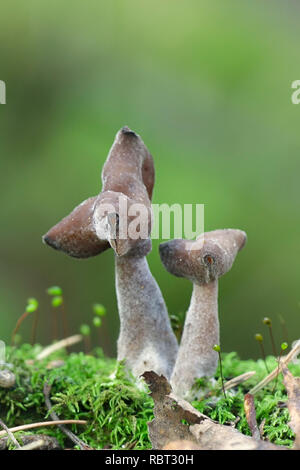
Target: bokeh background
pixel 207 84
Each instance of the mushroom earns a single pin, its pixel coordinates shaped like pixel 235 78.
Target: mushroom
pixel 127 172
pixel 146 340
pixel 202 261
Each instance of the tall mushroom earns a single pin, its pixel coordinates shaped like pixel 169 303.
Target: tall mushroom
pixel 127 172
pixel 202 261
pixel 146 340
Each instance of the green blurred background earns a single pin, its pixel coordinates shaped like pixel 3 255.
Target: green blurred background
pixel 207 84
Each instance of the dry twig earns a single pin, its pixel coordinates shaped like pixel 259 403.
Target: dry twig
pixel 283 362
pixel 24 427
pixel 49 442
pixel 238 380
pixel 10 434
pixel 33 445
pixel 59 345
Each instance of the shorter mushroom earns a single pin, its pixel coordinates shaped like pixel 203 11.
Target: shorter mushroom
pixel 202 261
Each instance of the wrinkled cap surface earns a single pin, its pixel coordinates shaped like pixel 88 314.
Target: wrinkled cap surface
pixel 205 259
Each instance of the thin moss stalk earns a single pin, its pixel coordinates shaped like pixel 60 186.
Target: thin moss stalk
pixel 259 339
pixel 267 321
pixel 218 349
pixel 284 346
pixel 32 306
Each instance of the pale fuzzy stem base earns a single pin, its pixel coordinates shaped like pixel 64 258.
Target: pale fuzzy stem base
pixel 196 357
pixel 146 339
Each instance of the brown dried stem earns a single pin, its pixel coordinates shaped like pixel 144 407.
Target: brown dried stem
pixel 24 427
pixel 17 327
pixel 10 434
pixel 250 412
pixel 59 345
pixel 283 362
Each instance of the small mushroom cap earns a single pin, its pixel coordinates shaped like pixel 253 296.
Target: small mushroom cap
pixel 75 235
pixel 205 259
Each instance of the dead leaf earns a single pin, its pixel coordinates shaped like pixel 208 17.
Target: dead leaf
pixel 181 445
pixel 177 420
pixel 251 415
pixel 292 385
pixel 169 413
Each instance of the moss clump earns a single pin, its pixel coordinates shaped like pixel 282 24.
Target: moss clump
pixel 89 387
pixel 117 408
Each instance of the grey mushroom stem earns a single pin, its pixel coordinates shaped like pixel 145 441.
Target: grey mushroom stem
pixel 146 340
pixel 200 334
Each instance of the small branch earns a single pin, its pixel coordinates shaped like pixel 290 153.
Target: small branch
pixel 72 436
pixel 59 345
pixel 283 362
pixel 233 382
pixel 10 434
pixel 24 427
pixel 49 442
pixel 33 445
pixel 238 380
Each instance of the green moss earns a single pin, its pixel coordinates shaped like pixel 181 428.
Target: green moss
pixel 117 408
pixel 89 387
pixel 270 404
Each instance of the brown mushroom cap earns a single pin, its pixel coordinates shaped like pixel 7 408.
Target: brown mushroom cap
pixel 205 259
pixel 128 171
pixel 75 233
